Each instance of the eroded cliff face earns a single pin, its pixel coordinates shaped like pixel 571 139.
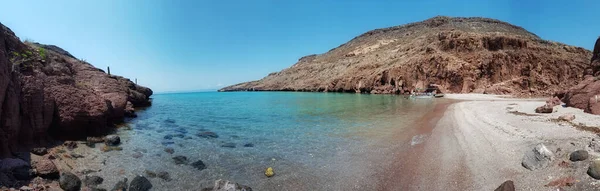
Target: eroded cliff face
pixel 45 91
pixel 586 94
pixel 461 55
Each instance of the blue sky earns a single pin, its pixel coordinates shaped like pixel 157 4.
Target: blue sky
pixel 193 45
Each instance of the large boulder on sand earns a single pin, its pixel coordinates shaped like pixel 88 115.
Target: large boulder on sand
pixel 549 106
pixel 537 158
pixel 506 186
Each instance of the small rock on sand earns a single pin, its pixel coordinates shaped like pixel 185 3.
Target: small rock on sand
pixel 567 117
pixel 207 134
pixel 69 182
pixel 140 183
pixel 578 155
pixel 594 169
pixel 537 158
pixel 506 186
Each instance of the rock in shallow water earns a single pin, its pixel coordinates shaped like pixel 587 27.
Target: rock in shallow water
pixel 207 134
pixel 578 155
pixel 69 182
pixel 228 145
pixel 140 183
pixel 248 145
pixel 93 180
pixel 120 186
pixel 199 165
pixel 180 160
pixel 170 150
pixel 537 158
pixel 112 140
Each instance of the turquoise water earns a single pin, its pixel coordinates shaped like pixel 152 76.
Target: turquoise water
pixel 314 141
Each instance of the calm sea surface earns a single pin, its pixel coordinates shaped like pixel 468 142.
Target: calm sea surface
pixel 313 141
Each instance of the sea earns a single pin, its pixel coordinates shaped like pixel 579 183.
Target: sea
pixel 312 141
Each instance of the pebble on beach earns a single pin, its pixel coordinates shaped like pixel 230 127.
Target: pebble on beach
pixel 69 182
pixel 140 183
pixel 578 155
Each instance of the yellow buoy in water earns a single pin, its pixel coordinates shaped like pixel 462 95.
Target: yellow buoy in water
pixel 269 172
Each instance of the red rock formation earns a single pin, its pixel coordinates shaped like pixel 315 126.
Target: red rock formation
pixel 461 55
pixel 45 90
pixel 586 94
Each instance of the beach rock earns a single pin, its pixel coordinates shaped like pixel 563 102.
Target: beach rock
pixel 180 160
pixel 228 145
pixel 112 140
pixel 69 182
pixel 567 117
pixel 199 165
pixel 170 150
pixel 594 169
pixel 164 175
pixel 120 186
pixel 225 185
pixel 40 151
pixel 506 186
pixel 544 109
pixel 45 168
pixel 248 145
pixel 70 145
pixel 578 155
pixel 140 183
pixel 207 135
pixel 93 180
pixel 537 158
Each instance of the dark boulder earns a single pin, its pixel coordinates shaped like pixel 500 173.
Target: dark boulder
pixel 69 182
pixel 199 165
pixel 180 160
pixel 140 183
pixel 40 151
pixel 112 140
pixel 93 180
pixel 578 155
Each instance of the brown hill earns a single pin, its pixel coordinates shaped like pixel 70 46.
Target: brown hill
pixel 461 55
pixel 45 90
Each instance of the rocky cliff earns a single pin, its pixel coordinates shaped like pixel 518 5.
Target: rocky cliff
pixel 45 91
pixel 586 94
pixel 460 55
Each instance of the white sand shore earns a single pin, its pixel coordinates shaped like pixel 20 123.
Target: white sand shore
pixel 477 145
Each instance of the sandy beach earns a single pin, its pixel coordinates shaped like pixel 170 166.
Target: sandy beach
pixel 479 142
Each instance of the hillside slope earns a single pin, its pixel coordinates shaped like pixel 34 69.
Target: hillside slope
pixel 46 91
pixel 461 55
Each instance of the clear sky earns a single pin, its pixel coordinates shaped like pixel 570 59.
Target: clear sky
pixel 193 45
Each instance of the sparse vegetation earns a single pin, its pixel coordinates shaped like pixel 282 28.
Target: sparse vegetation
pixel 42 52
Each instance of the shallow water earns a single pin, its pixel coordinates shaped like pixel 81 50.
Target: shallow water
pixel 313 141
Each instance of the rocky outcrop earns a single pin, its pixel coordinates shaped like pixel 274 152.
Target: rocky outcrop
pixel 586 94
pixel 460 55
pixel 44 90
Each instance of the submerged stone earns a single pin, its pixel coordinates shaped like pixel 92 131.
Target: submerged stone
pixel 69 182
pixel 207 134
pixel 180 160
pixel 248 145
pixel 199 165
pixel 140 183
pixel 228 145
